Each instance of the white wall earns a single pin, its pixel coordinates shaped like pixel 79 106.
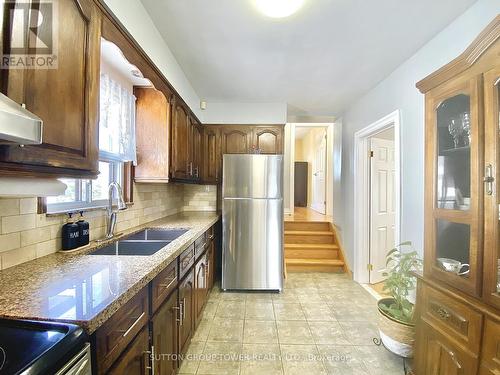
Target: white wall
pixel 245 113
pixel 398 91
pixel 134 17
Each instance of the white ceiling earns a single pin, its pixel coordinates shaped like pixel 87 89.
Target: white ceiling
pixel 318 60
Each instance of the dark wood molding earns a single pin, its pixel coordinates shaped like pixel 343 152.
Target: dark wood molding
pixel 463 62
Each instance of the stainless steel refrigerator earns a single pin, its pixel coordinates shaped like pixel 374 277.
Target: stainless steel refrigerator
pixel 252 222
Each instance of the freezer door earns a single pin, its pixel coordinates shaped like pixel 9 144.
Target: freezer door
pixel 252 240
pixel 252 176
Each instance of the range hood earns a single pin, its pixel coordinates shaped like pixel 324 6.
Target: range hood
pixel 17 124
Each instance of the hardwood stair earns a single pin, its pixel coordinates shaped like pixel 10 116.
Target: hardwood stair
pixel 312 246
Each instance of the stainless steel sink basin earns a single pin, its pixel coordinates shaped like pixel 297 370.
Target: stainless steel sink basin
pixel 146 242
pixel 153 234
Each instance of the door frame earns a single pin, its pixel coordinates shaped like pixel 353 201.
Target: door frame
pixel 362 191
pixel 332 160
pixel 312 205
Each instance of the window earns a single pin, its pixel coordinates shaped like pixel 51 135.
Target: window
pixel 116 146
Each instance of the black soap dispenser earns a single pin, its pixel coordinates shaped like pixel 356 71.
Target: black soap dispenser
pixel 84 229
pixel 70 234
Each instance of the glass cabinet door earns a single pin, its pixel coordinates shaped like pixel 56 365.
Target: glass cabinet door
pixel 491 188
pixel 454 146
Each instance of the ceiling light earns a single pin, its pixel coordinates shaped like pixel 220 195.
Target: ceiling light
pixel 278 8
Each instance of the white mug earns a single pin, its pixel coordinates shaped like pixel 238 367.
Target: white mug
pixel 452 265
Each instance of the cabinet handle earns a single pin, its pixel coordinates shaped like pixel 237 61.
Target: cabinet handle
pixel 177 318
pixel 181 314
pixel 137 320
pixel 147 358
pixel 196 172
pixel 489 179
pixel 443 313
pixel 167 286
pixel 183 310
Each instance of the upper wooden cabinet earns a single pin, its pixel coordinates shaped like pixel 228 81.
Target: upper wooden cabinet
pixel 268 140
pixel 180 166
pixel 152 135
pixel 236 139
pixel 211 151
pixel 197 155
pixel 66 98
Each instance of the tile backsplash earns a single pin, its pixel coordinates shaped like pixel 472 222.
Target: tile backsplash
pixel 26 235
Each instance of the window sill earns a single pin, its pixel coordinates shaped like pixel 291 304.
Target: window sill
pixel 84 209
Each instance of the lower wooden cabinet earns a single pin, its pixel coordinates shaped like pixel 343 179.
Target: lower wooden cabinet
pixel 210 265
pixel 164 333
pixel 438 354
pixel 135 360
pixel 490 358
pixel 186 304
pixel 201 287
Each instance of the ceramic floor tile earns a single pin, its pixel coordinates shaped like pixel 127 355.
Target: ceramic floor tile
pixel 288 311
pixel 192 358
pixel 380 361
pixel 301 359
pixel 223 329
pixel 261 359
pixel 260 297
pixel 259 311
pixel 294 332
pixel 318 311
pixel 328 333
pixel 260 332
pixel 220 358
pixel 210 309
pixel 342 360
pixel 201 333
pixel 360 333
pixel 231 310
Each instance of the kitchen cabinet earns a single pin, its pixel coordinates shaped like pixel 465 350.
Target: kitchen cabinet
pixel 180 163
pixel 197 152
pixel 210 265
pixel 65 98
pixel 186 305
pixel 164 333
pixel 135 360
pixel 212 156
pixel 458 299
pixel 236 139
pixel 268 140
pixel 201 287
pixel 152 135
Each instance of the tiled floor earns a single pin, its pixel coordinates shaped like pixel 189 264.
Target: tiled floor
pixel 320 324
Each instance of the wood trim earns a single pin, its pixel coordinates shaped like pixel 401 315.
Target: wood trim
pixel 342 257
pixel 465 60
pixel 128 182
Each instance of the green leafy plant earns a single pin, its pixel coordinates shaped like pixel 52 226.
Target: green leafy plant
pixel 400 263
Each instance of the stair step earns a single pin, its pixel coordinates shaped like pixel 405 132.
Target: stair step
pixel 312 246
pixel 309 237
pixel 311 253
pixel 307 225
pixel 315 265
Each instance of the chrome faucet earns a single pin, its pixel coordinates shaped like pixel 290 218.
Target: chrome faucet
pixel 114 186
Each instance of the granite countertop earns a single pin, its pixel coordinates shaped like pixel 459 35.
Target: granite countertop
pixel 86 289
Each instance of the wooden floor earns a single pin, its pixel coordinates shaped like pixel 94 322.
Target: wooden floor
pixel 307 214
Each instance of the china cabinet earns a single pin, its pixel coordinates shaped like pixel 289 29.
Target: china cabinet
pixel 458 299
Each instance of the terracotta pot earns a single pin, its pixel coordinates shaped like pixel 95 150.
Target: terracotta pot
pixel 398 337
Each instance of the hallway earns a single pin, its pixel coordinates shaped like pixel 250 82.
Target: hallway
pixel 321 324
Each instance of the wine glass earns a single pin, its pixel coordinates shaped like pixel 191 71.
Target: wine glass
pixel 455 129
pixel 466 127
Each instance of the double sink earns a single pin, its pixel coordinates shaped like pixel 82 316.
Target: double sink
pixel 145 242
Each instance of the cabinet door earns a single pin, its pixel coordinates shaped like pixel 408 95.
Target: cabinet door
pixel 66 98
pixel 210 265
pixel 164 327
pixel 436 354
pixel 491 188
pixel 197 154
pixel 490 356
pixel 454 186
pixel 211 153
pixel 180 167
pixel 135 360
pixel 200 280
pixel 152 123
pixel 236 139
pixel 268 140
pixel 186 304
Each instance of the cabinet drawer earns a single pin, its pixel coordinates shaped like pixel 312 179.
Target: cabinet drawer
pixel 458 320
pixel 163 284
pixel 199 245
pixel 186 260
pixel 114 335
pixel 490 357
pixel 134 360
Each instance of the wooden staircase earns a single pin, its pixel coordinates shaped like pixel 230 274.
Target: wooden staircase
pixel 311 246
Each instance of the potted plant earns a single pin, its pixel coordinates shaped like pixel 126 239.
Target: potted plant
pixel 396 327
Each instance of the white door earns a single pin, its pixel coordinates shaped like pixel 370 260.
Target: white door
pixel 318 179
pixel 382 202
